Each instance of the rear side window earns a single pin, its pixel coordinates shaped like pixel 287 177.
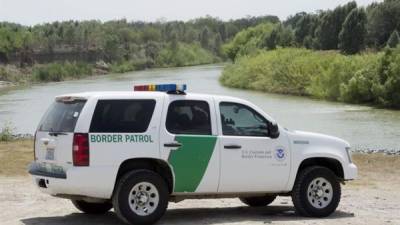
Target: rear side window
pixel 61 116
pixel 189 117
pixel 122 116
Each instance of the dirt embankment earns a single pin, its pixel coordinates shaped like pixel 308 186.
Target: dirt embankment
pixel 372 199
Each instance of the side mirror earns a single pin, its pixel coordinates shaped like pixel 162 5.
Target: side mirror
pixel 273 130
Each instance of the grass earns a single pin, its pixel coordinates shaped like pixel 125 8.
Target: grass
pixel 374 169
pixel 15 157
pixel 377 170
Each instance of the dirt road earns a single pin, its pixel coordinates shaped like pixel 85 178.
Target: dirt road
pixel 22 203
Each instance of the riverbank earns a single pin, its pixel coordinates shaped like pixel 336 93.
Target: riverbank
pixel 181 55
pixel 368 78
pixel 371 199
pixel 12 76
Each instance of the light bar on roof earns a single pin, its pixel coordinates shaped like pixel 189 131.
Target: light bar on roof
pixel 161 87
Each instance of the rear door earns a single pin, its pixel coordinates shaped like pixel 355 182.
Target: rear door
pixel 188 141
pixel 54 136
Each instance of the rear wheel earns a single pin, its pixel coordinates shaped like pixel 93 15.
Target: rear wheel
pixel 141 197
pixel 316 192
pixel 258 201
pixel 92 208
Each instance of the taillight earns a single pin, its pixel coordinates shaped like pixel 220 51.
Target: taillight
pixel 80 149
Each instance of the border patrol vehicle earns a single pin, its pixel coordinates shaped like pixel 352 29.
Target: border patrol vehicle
pixel 136 151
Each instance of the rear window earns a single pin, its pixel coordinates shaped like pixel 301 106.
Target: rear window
pixel 61 116
pixel 122 116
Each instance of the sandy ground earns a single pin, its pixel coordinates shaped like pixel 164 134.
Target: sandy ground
pixel 372 199
pixel 22 203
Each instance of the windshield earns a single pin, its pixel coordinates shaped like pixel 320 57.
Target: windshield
pixel 61 116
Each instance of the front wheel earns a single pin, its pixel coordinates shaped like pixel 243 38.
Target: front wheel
pixel 141 197
pixel 316 192
pixel 92 208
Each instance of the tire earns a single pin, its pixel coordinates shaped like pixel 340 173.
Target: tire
pixel 92 208
pixel 141 197
pixel 316 192
pixel 258 201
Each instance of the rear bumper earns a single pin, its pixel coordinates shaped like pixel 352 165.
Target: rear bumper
pixel 95 182
pixel 35 169
pixel 350 172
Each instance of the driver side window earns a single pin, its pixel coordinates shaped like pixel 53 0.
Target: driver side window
pixel 241 120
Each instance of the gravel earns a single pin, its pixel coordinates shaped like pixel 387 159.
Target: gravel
pixel 22 203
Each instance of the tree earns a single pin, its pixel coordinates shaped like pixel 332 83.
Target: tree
pixel 111 48
pixel 205 38
pixel 383 18
pixel 271 39
pixel 394 39
pixel 303 28
pixel 330 25
pixel 218 45
pixel 174 42
pixel 151 34
pixel 352 36
pixel 285 36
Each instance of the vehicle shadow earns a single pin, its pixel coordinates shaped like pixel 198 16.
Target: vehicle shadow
pixel 194 215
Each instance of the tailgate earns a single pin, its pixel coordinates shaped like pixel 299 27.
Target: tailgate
pixel 54 136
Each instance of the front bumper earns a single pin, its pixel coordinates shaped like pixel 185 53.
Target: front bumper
pixel 350 172
pixel 95 182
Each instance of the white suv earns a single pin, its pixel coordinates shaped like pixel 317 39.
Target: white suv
pixel 136 151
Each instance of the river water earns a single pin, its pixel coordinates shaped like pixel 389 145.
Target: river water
pixel 364 127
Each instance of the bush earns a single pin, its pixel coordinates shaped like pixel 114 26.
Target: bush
pixel 372 78
pixel 6 133
pixel 61 71
pixel 286 71
pixel 122 67
pixel 388 87
pixel 184 55
pixel 248 41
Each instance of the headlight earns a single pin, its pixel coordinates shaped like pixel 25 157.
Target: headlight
pixel 348 151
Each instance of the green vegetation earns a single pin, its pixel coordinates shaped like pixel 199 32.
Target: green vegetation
pixel 184 55
pixel 370 27
pixel 352 36
pixel 367 72
pixel 72 49
pixel 6 133
pixel 61 71
pixel 357 76
pixel 347 28
pixel 394 39
pixel 368 78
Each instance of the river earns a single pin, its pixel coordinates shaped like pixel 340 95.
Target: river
pixel 364 127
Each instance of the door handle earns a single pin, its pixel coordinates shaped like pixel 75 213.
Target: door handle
pixel 232 146
pixel 173 145
pixel 45 141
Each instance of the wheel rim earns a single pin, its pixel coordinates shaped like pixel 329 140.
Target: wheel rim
pixel 143 198
pixel 319 192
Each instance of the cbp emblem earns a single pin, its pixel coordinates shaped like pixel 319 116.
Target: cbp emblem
pixel 280 154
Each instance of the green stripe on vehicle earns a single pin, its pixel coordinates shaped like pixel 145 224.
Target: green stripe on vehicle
pixel 190 161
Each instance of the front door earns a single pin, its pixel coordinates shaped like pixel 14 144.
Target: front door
pixel 189 143
pixel 251 161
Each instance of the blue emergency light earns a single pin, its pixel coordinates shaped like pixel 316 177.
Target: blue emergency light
pixel 169 88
